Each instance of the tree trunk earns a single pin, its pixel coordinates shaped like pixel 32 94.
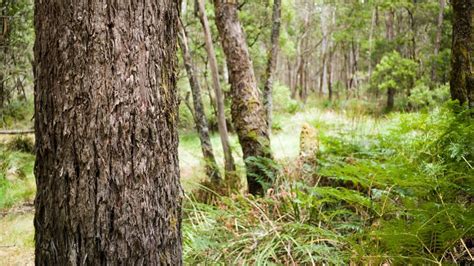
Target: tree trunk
pixel 248 113
pixel 2 90
pixel 330 73
pixel 371 35
pixel 390 37
pixel 462 72
pixel 439 32
pixel 221 121
pixel 390 98
pixel 106 114
pixel 200 119
pixel 271 63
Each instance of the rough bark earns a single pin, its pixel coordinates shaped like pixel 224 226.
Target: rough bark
pixel 106 108
pixel 248 114
pixel 200 119
pixel 221 121
pixel 439 32
pixel 271 63
pixel 462 59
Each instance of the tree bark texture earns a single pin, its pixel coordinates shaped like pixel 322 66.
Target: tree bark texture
pixel 221 121
pixel 200 119
pixel 271 63
pixel 462 59
pixel 106 108
pixel 248 114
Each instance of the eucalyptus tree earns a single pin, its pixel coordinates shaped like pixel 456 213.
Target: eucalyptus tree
pixel 107 169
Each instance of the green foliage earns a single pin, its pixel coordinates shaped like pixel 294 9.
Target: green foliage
pixel 17 182
pixel 22 144
pixel 16 54
pixel 400 194
pixel 17 114
pixel 422 96
pixel 394 72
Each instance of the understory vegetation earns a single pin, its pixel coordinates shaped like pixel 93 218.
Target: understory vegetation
pixel 356 117
pixel 393 190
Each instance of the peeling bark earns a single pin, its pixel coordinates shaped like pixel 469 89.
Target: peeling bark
pixel 106 109
pixel 248 114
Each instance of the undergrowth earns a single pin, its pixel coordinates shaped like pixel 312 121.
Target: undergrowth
pixel 17 183
pixel 400 195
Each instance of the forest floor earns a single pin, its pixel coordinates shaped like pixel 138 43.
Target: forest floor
pixel 17 234
pixel 353 146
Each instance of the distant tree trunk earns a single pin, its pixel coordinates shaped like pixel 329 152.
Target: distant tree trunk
pixel 248 113
pixel 439 32
pixel 390 37
pixel 106 114
pixel 199 115
pixel 390 98
pixel 462 71
pixel 290 79
pixel 411 14
pixel 271 63
pixel 371 34
pixel 325 17
pixel 221 121
pixel 2 90
pixel 330 74
pixel 4 46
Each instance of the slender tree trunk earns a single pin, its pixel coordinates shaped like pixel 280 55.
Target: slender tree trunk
pixel 390 98
pixel 390 37
pixel 371 34
pixel 221 121
pixel 2 90
pixel 199 115
pixel 462 69
pixel 330 74
pixel 271 63
pixel 106 114
pixel 325 17
pixel 411 13
pixel 248 113
pixel 4 36
pixel 439 32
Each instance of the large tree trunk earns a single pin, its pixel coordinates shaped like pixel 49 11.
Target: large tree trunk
pixel 439 32
pixel 200 119
pixel 106 108
pixel 271 63
pixel 248 113
pixel 221 121
pixel 462 72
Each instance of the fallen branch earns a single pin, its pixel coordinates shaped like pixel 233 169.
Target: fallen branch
pixel 17 132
